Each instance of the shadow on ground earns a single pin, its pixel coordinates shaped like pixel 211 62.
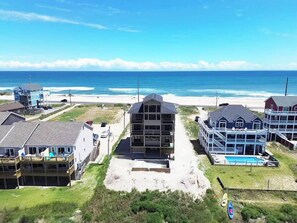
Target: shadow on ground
pixel 123 149
pixel 197 147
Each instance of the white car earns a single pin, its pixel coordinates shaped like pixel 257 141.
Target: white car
pixel 105 134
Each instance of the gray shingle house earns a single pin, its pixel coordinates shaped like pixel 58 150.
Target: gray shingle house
pixel 8 118
pixel 232 129
pixel 152 127
pixel 45 153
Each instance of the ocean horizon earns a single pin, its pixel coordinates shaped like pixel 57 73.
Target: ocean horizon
pixel 178 83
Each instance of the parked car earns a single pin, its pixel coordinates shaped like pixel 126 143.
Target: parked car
pixel 105 134
pixel 90 122
pixel 103 124
pixel 223 104
pixel 196 118
pixel 64 100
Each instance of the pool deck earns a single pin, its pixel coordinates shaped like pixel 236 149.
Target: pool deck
pixel 221 160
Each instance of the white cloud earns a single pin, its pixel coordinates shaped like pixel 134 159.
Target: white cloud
pixel 120 64
pixel 30 16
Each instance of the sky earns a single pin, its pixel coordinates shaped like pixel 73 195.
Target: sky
pixel 148 35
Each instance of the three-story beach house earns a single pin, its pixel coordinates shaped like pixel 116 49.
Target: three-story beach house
pixel 45 153
pixel 281 119
pixel 232 129
pixel 29 95
pixel 152 127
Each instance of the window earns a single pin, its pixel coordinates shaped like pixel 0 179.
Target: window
pixel 84 139
pixel 9 152
pixel 158 108
pixel 146 108
pixel 256 124
pixel 152 117
pixel 32 150
pixel 41 149
pixel 239 123
pixel 152 108
pixel 61 150
pixel 222 124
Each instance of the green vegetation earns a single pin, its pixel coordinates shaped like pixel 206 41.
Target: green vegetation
pixel 4 102
pixel 57 105
pixel 248 177
pixel 259 114
pixel 5 93
pixel 43 116
pixel 96 113
pixel 188 114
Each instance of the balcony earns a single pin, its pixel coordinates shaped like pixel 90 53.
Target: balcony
pixel 134 120
pixel 280 121
pixel 152 132
pixel 137 144
pixel 11 174
pixel 167 120
pixel 137 132
pixel 48 159
pixel 167 145
pixel 9 160
pixel 272 112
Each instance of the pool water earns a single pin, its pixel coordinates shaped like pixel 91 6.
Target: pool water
pixel 244 160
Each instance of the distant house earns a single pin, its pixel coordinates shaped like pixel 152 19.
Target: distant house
pixel 281 119
pixel 232 129
pixel 29 95
pixel 15 107
pixel 152 127
pixel 8 118
pixel 45 153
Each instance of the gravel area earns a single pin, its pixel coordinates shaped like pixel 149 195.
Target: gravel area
pixel 184 176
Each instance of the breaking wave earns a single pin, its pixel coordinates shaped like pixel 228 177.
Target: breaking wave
pixel 235 92
pixel 134 90
pixel 59 89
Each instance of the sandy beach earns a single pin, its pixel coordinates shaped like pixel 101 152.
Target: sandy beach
pixel 256 103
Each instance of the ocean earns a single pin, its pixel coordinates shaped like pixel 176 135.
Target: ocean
pixel 201 83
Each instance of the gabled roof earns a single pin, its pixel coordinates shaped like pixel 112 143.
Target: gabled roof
pixel 166 107
pixel 154 97
pixel 285 101
pixel 232 113
pixel 30 87
pixel 56 133
pixel 5 115
pixel 4 129
pixel 11 106
pixel 19 134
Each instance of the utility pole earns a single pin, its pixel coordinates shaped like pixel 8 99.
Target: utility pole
pixel 70 97
pixel 124 119
pixel 108 140
pixel 286 89
pixel 216 99
pixel 138 88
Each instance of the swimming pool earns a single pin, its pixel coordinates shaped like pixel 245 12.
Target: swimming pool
pixel 244 160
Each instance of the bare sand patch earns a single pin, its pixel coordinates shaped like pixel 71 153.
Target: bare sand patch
pixel 184 176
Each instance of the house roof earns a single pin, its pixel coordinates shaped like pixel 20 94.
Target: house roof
pixel 4 129
pixel 5 115
pixel 155 97
pixel 285 101
pixel 56 133
pixel 166 107
pixel 11 106
pixel 19 134
pixel 232 113
pixel 30 87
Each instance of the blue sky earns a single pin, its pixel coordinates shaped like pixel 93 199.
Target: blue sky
pixel 148 35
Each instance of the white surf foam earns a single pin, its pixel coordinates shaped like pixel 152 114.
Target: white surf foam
pixel 236 92
pixel 59 89
pixel 134 90
pixel 6 88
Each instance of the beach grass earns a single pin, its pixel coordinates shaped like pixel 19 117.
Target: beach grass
pixel 5 102
pixel 188 114
pixel 247 177
pixel 96 113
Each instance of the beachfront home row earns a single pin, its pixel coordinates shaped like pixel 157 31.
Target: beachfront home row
pixel 281 119
pixel 44 153
pixel 29 95
pixel 152 128
pixel 232 129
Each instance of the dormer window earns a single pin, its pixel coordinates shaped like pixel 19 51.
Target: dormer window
pixel 256 124
pixel 239 123
pixel 222 124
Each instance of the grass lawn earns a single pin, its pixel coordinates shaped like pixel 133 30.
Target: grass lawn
pixel 282 177
pixel 95 113
pixel 188 114
pixel 31 196
pixel 5 102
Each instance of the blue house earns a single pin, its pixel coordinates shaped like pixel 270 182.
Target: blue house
pixel 29 95
pixel 233 129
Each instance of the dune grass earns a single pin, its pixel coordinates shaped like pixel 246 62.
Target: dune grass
pixel 188 114
pixel 95 113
